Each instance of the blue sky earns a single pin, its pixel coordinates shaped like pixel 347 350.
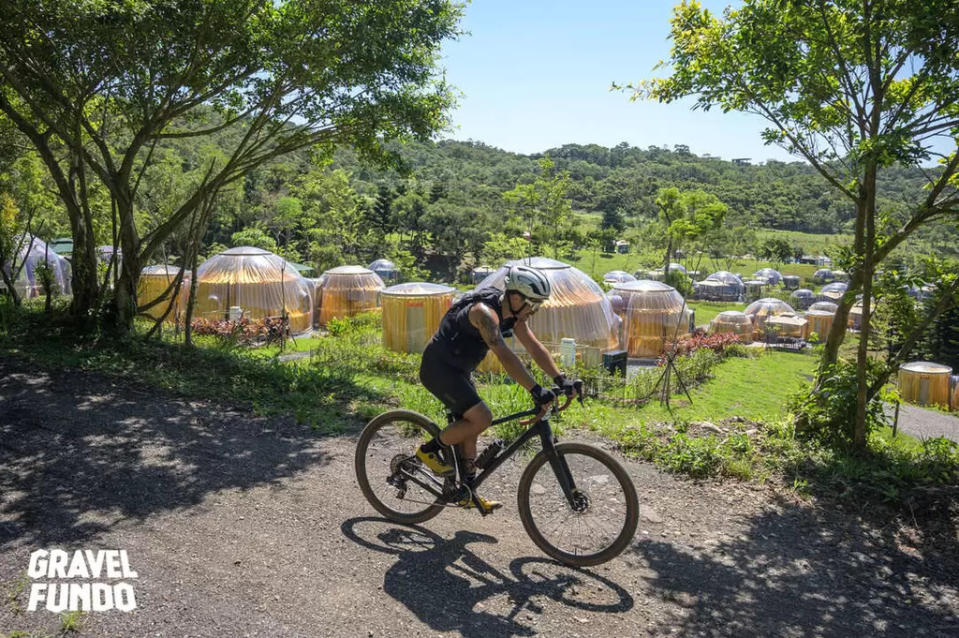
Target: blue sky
pixel 535 74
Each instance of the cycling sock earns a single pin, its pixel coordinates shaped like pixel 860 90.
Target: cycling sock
pixel 432 446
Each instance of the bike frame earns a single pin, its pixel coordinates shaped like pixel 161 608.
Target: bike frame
pixel 540 427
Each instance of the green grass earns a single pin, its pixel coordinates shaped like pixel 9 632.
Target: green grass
pixel 754 388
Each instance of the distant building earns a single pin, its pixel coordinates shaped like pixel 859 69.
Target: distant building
pixel 742 161
pixel 622 246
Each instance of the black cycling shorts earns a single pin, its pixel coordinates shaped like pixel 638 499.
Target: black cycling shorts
pixel 451 385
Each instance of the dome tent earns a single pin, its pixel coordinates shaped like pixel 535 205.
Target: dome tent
pixel 732 288
pixel 260 283
pixel 770 275
pixel 34 252
pixel 833 291
pixel 655 314
pixel 820 317
pixel 480 273
pixel 764 308
pixel 733 322
pixel 614 277
pixel 346 291
pixel 154 283
pixel 576 308
pixel 823 275
pixel 386 270
pixel 802 298
pixel 412 313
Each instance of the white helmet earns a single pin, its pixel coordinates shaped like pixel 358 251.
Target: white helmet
pixel 528 282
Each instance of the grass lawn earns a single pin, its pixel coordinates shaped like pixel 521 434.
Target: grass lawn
pixel 755 388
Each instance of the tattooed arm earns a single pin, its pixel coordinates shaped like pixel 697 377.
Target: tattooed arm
pixel 536 349
pixel 485 320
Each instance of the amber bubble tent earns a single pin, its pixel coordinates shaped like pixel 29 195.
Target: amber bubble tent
pixel 412 313
pixel 258 283
pixel 925 383
pixel 787 325
pixel 733 322
pixel 576 308
pixel 346 291
pixel 769 275
pixel 156 283
pixel 655 315
pixel 820 317
pixel 33 253
pixel 760 310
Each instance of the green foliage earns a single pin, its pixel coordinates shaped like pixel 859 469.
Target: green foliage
pixel 829 413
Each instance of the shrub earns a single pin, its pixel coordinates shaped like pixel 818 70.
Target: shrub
pixel 829 414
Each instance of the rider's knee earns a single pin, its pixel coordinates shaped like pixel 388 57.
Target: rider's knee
pixel 479 417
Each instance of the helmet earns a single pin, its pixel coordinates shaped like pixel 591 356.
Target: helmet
pixel 528 282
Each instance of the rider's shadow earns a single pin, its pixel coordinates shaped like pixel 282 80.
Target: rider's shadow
pixel 450 588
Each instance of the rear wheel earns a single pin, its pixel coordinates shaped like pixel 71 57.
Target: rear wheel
pixel 386 466
pixel 600 522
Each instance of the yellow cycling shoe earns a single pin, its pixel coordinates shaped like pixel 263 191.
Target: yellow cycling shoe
pixel 487 505
pixel 434 462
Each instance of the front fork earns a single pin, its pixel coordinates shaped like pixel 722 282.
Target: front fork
pixel 576 499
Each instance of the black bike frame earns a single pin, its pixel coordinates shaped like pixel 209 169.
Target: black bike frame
pixel 545 432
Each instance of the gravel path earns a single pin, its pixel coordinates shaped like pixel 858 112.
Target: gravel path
pixel 246 526
pixel 926 424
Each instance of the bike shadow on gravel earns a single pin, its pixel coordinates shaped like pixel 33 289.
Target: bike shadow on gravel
pixel 798 570
pixel 450 588
pixel 82 454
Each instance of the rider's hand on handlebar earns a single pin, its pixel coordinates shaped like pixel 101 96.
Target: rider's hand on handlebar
pixel 569 387
pixel 541 396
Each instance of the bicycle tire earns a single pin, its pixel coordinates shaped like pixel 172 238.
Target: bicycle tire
pixel 621 537
pixel 364 455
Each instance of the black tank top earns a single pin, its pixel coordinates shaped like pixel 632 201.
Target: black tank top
pixel 457 341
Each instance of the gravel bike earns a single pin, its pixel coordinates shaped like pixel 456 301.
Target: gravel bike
pixel 581 511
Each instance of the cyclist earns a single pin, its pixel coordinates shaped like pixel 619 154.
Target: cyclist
pixel 476 324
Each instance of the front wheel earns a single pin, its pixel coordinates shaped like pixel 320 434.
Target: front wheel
pixel 389 476
pixel 602 518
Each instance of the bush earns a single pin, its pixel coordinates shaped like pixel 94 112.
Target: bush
pixel 829 414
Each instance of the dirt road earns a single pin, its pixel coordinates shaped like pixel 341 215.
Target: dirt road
pixel 243 526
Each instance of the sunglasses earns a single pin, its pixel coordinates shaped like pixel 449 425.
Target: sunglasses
pixel 533 305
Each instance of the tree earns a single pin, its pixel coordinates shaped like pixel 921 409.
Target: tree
pixel 687 217
pixel 99 88
pixel 851 87
pixel 544 207
pixel 776 250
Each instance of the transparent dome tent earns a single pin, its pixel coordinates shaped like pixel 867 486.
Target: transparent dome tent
pixel 576 308
pixel 346 291
pixel 733 322
pixel 655 314
pixel 770 275
pixel 730 288
pixel 833 291
pixel 480 273
pixel 412 314
pixel 764 308
pixel 156 282
pixel 823 275
pixel 386 270
pixel 257 282
pixel 614 277
pixel 34 252
pixel 802 298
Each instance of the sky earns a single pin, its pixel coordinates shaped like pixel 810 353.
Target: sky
pixel 536 74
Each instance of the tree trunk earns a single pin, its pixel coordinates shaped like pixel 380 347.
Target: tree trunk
pixel 862 381
pixel 86 288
